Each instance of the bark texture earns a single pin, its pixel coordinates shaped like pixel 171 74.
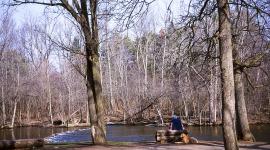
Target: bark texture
pixel 227 78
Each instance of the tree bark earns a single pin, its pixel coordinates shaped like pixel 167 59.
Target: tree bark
pixel 94 88
pixel 227 78
pixel 243 131
pixel 95 99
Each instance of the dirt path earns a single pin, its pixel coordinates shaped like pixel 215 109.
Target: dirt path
pixel 204 145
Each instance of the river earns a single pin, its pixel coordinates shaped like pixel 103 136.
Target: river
pixel 126 133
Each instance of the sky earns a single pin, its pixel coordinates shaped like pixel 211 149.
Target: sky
pixel 157 11
pixel 157 14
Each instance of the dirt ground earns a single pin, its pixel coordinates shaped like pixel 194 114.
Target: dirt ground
pixel 203 145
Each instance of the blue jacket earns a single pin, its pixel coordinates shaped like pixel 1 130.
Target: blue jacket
pixel 176 123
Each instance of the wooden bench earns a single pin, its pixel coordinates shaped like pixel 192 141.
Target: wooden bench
pixel 172 136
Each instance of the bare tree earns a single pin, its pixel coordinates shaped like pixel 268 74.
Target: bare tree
pixel 226 65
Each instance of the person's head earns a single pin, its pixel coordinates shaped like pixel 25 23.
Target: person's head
pixel 171 114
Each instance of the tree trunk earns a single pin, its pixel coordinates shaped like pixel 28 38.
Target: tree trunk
pixel 163 61
pixel 14 114
pixel 28 110
pixel 160 116
pixel 69 102
pixel 62 107
pixel 95 99
pixel 110 77
pixel 94 88
pixel 211 99
pixel 185 109
pixel 49 94
pixel 227 78
pixel 243 131
pixel 3 105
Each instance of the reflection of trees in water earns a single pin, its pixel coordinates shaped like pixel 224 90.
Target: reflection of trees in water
pixel 12 134
pixel 215 131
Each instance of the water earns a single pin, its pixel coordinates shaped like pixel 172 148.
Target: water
pixel 121 133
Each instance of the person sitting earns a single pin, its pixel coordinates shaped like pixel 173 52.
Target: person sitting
pixel 176 123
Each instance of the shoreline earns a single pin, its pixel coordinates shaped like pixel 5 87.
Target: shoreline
pixel 202 145
pixel 116 124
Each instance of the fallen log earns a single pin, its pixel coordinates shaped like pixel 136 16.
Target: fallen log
pixel 172 136
pixel 22 143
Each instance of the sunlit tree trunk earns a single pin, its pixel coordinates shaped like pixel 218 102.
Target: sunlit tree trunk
pixel 14 113
pixel 110 76
pixel 17 97
pixel 227 78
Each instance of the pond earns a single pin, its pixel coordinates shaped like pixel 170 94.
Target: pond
pixel 126 133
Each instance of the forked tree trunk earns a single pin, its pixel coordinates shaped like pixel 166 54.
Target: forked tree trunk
pixel 94 87
pixel 243 131
pixel 227 78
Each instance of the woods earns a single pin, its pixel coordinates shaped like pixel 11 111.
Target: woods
pixel 117 61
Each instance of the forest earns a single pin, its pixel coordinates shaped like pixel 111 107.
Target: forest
pixel 143 67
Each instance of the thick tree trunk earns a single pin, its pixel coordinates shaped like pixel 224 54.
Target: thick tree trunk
pixel 243 131
pixel 94 87
pixel 96 110
pixel 227 78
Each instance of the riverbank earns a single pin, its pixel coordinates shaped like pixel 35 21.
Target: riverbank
pixel 122 123
pixel 202 145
